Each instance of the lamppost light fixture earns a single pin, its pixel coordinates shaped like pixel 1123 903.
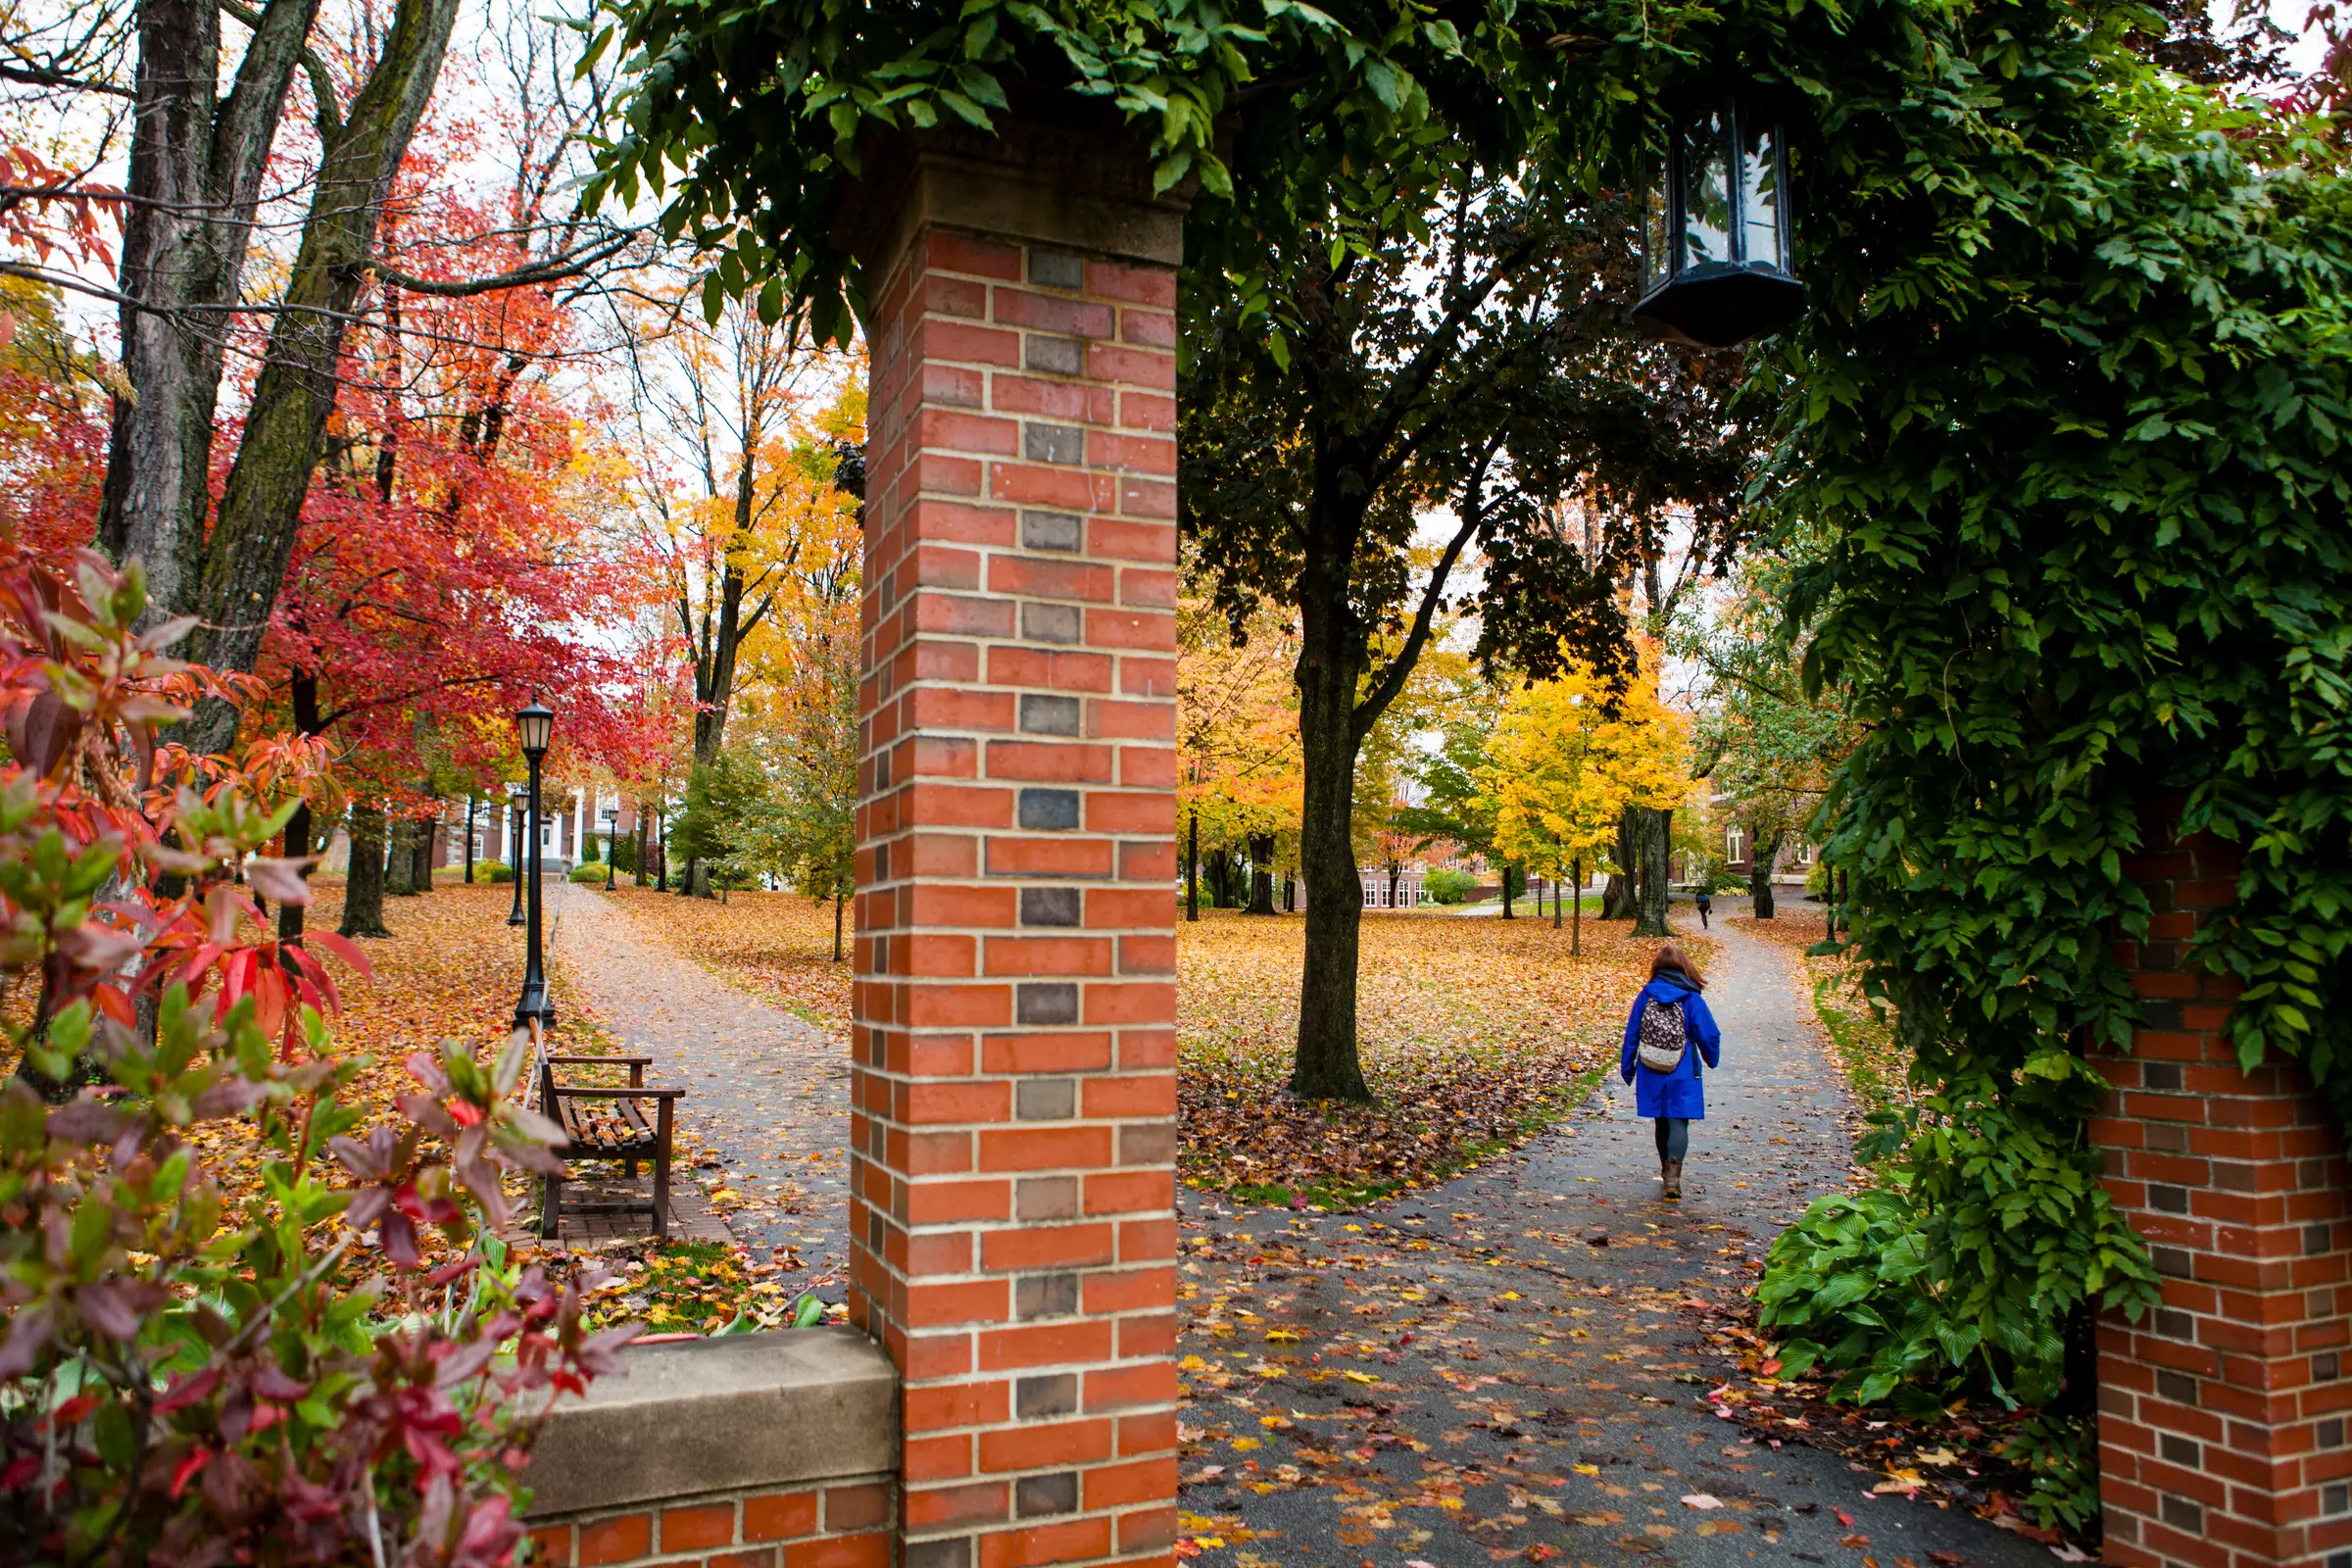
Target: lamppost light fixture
pixel 518 801
pixel 1715 221
pixel 537 726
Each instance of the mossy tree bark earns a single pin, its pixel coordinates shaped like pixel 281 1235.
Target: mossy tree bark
pixel 398 858
pixel 1261 873
pixel 198 162
pixel 1618 895
pixel 1654 837
pixel 1764 855
pixel 1326 1067
pixel 244 559
pixel 420 853
pixel 363 886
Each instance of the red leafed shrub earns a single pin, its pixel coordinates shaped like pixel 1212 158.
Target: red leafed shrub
pixel 299 1378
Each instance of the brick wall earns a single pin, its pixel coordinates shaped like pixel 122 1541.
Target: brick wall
pixel 838 1524
pixel 2221 1414
pixel 1014 1139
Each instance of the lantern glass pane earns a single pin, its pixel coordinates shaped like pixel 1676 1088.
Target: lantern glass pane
pixel 1658 245
pixel 1706 192
pixel 1760 198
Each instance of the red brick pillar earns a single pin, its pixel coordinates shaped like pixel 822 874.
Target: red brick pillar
pixel 2222 1425
pixel 1013 1136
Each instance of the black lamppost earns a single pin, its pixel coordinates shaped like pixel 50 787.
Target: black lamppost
pixel 536 725
pixel 1715 228
pixel 516 805
pixel 612 841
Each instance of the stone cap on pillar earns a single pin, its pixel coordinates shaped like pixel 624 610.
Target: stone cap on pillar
pixel 1064 170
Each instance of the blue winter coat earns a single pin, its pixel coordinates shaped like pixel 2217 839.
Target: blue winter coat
pixel 1679 1092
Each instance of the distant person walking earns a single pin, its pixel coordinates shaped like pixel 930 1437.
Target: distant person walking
pixel 1668 1020
pixel 1706 905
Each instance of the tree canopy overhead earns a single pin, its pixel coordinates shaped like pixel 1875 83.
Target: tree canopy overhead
pixel 743 120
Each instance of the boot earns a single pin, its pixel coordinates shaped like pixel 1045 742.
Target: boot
pixel 1674 1179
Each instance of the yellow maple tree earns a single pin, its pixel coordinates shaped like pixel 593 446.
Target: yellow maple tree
pixel 1566 759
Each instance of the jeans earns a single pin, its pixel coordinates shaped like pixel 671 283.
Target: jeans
pixel 1704 910
pixel 1674 1137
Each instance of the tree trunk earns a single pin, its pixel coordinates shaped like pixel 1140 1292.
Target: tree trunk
pixel 1655 832
pixel 1290 894
pixel 470 804
pixel 1192 876
pixel 645 841
pixel 400 857
pixel 1327 1066
pixel 303 692
pixel 836 922
pixel 1765 855
pixel 1617 896
pixel 1576 921
pixel 661 854
pixel 196 169
pixel 285 424
pixel 363 886
pixel 421 866
pixel 298 847
pixel 1261 874
pixel 1506 893
pixel 1555 903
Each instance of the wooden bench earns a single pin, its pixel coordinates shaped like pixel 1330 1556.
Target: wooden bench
pixel 606 1123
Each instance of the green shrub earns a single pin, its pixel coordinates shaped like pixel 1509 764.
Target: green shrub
pixel 1817 879
pixel 1448 887
pixel 493 872
pixel 1964 1273
pixel 589 871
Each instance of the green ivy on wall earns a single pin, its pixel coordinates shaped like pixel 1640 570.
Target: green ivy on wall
pixel 2069 408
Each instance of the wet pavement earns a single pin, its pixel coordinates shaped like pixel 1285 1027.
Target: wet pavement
pixel 764 1124
pixel 1515 1366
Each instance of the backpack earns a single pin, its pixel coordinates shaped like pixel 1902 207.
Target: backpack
pixel 1664 1038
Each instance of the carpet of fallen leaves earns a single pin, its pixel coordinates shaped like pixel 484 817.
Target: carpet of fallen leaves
pixel 692 1287
pixel 776 946
pixel 1861 1031
pixel 1475 1034
pixel 1955 1453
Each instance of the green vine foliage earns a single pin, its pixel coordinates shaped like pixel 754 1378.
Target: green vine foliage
pixel 742 119
pixel 2069 408
pixel 2091 557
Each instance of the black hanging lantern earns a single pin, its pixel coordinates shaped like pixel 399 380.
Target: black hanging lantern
pixel 1716 267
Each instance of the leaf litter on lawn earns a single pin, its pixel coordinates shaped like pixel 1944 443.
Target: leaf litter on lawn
pixel 777 947
pixel 1475 1035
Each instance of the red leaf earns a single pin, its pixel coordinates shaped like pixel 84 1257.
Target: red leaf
pixel 111 1000
pixel 187 1470
pixel 342 947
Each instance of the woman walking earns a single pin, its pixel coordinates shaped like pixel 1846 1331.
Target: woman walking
pixel 1669 1018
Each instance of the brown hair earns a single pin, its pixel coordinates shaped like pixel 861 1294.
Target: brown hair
pixel 1672 957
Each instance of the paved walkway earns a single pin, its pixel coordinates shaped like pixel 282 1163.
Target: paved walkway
pixel 1510 1367
pixel 1507 1367
pixel 767 1108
